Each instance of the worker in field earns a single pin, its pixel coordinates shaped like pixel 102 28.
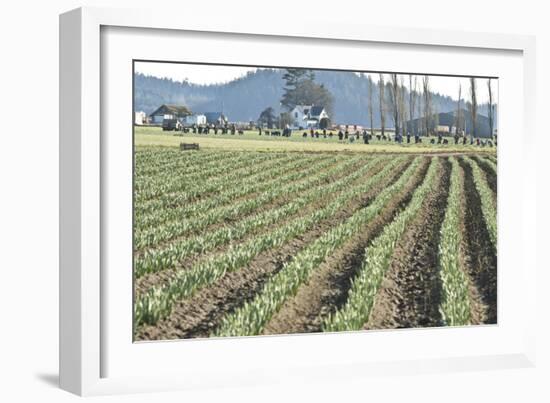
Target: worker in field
pixel 365 137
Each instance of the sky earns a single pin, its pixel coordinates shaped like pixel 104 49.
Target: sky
pixel 205 74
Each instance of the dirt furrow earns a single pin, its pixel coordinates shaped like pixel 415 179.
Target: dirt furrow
pixel 199 315
pixel 410 293
pixel 479 255
pixel 327 289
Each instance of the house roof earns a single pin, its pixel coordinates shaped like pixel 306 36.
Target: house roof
pixel 316 110
pixel 213 116
pixel 180 110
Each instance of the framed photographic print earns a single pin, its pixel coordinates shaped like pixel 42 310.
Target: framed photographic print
pixel 239 206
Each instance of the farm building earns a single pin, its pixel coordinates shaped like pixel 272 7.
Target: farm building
pixel 169 112
pixel 215 118
pixel 446 123
pixel 198 119
pixel 309 116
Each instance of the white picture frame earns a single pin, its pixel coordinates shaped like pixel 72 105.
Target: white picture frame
pixel 84 341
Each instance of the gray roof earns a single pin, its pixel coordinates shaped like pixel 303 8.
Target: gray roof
pixel 316 110
pixel 178 110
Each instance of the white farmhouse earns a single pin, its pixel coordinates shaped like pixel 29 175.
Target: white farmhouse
pixel 312 116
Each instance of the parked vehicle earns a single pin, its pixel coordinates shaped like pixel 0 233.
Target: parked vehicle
pixel 171 124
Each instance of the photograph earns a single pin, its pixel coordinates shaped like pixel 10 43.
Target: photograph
pixel 279 200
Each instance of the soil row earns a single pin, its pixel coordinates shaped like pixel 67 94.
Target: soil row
pixel 410 293
pixel 479 255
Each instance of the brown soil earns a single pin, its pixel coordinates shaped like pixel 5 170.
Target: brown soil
pixel 329 285
pixel 199 315
pixel 479 255
pixel 410 293
pixel 477 308
pixel 147 281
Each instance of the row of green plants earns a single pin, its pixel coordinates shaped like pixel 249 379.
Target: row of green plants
pixel 251 318
pixel 202 190
pixel 315 188
pixel 354 314
pixel 455 306
pixel 491 164
pixel 154 235
pixel 214 176
pixel 158 301
pixel 256 183
pixel 488 202
pixel 158 163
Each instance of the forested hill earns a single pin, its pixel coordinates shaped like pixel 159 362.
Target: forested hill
pixel 245 98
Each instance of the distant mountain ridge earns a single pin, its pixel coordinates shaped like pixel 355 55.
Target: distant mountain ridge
pixel 244 98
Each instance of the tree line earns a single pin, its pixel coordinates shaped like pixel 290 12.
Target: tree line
pixel 415 103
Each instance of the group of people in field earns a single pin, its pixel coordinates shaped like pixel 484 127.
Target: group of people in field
pixel 215 129
pixel 346 136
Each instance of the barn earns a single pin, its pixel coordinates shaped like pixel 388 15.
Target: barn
pixel 167 111
pixel 446 123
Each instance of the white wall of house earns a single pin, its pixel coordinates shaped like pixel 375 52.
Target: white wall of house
pixel 323 115
pixel 195 120
pixel 299 117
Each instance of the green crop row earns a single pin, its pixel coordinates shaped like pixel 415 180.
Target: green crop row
pixel 158 301
pixel 491 164
pixel 258 182
pixel 319 186
pixel 201 180
pixel 155 164
pixel 356 311
pixel 186 162
pixel 488 207
pixel 177 228
pixel 251 318
pixel 455 305
pixel 203 190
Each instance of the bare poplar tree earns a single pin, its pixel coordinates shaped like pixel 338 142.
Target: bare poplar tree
pixel 420 121
pixel 473 107
pixel 371 85
pixel 394 96
pixel 382 103
pixel 412 99
pixel 458 109
pixel 491 109
pixel 402 106
pixel 427 103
